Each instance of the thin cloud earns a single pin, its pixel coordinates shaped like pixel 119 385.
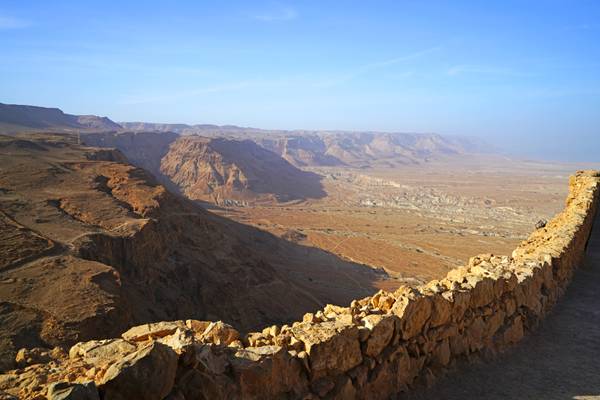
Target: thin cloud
pixel 366 68
pixel 13 23
pixel 144 99
pixel 481 69
pixel 282 13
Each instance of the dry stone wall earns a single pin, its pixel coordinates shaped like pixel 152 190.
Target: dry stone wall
pixel 373 349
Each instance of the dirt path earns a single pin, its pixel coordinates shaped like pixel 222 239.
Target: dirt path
pixel 561 360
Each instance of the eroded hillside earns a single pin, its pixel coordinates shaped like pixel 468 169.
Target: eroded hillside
pixel 217 170
pixel 91 244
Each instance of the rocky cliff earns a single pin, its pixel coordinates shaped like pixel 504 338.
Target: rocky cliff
pixel 373 349
pixel 216 170
pixel 90 244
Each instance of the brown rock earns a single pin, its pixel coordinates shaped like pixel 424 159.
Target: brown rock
pixel 322 386
pixel 333 348
pixel 102 352
pixel 147 374
pixel 36 355
pixel 267 372
pixel 514 332
pixel 211 359
pixel 483 290
pixel 180 341
pixel 156 330
pixel 73 391
pixel 441 355
pixel 344 389
pixel 197 326
pixel 220 333
pixel 441 310
pixel 382 329
pixel 414 310
pixel 199 385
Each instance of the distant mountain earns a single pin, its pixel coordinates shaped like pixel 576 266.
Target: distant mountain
pixel 18 118
pixel 301 148
pixel 362 149
pixel 306 148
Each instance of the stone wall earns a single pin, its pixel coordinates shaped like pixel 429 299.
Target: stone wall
pixel 376 347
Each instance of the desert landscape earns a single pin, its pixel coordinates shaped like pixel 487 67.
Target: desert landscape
pixel 108 225
pixel 279 200
pixel 322 217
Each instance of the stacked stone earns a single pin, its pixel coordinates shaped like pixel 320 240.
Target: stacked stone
pixel 377 347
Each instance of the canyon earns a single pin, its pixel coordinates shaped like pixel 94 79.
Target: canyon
pixel 187 240
pixel 378 346
pixel 91 244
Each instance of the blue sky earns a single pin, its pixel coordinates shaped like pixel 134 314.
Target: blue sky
pixel 522 74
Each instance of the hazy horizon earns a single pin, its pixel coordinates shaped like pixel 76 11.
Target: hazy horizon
pixel 520 76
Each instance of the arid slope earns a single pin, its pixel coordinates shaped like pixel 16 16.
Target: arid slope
pixel 91 244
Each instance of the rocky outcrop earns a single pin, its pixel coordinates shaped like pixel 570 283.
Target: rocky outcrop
pixel 376 347
pixel 218 170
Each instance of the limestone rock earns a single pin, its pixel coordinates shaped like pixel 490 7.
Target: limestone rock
pixel 333 347
pixel 382 329
pixel 220 333
pixel 99 352
pixel 36 355
pixel 180 341
pixel 414 310
pixel 156 330
pixel 267 372
pixel 197 326
pixel 147 374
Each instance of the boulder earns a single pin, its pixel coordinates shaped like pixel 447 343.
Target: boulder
pixel 200 385
pixel 180 341
pixel 413 309
pixel 332 347
pixel 36 355
pixel 101 352
pixel 155 330
pixel 211 358
pixel 267 372
pixel 147 374
pixel 220 333
pixel 197 326
pixel 73 391
pixel 381 329
pixel 441 310
pixel 483 289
